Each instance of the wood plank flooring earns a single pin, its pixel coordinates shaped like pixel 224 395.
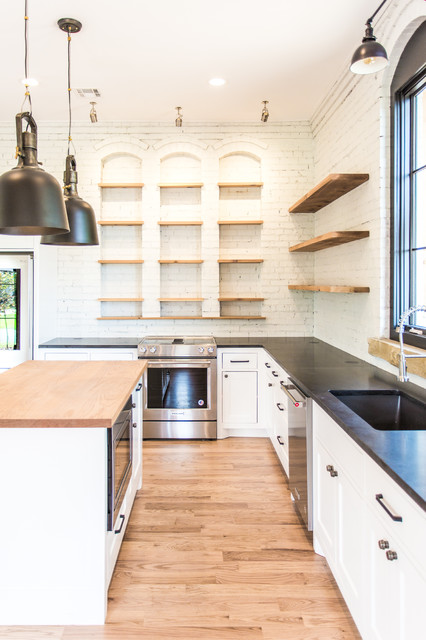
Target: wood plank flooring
pixel 214 551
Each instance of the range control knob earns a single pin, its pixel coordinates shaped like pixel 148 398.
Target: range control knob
pixel 153 349
pixel 210 349
pixel 142 349
pixel 201 349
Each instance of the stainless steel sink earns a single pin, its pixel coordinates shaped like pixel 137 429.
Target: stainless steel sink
pixel 386 410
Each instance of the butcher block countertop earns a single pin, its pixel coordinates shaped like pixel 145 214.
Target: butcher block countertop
pixel 66 394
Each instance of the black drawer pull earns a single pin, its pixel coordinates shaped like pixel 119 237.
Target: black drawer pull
pixel 267 365
pixel 121 524
pixel 139 387
pixel 280 407
pixel 382 502
pixel 239 361
pixel 280 441
pixel 275 374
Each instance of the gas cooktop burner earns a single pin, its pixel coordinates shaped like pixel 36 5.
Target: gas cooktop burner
pixel 170 346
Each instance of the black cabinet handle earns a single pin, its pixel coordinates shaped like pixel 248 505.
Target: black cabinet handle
pixel 280 441
pixel 239 361
pixel 382 502
pixel 135 425
pixel 280 407
pixel 121 524
pixel 275 374
pixel 139 387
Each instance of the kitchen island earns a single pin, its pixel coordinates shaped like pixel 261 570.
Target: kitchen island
pixel 57 556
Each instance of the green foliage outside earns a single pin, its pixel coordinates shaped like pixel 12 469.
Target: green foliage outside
pixel 7 309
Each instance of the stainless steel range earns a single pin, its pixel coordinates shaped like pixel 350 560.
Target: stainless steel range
pixel 180 387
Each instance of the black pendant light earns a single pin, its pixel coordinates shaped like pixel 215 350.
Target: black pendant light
pixel 81 217
pixel 31 201
pixel 370 56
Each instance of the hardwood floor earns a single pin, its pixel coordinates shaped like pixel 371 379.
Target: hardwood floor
pixel 214 551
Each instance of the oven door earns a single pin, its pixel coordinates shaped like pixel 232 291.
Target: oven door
pixel 180 390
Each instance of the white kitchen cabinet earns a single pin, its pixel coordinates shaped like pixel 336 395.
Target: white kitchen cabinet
pixel 239 398
pixel 383 587
pixel 238 390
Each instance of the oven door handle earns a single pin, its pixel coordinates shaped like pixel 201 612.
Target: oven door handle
pixel 180 362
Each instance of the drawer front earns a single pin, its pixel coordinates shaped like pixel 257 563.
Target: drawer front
pixel 239 361
pixel 346 452
pixel 411 531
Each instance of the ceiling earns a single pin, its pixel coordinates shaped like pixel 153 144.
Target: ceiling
pixel 146 58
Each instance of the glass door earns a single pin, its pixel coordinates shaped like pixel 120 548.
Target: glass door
pixel 16 309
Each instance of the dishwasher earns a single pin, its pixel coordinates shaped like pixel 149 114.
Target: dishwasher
pixel 299 408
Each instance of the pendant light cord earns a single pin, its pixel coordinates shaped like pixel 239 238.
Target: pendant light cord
pixel 370 20
pixel 27 88
pixel 69 93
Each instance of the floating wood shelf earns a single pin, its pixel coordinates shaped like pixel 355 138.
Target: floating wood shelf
pixel 121 299
pixel 182 318
pixel 328 190
pixel 180 299
pixel 179 223
pixel 121 185
pixel 180 261
pixel 239 260
pixel 240 184
pixel 328 288
pixel 120 223
pixel 120 261
pixel 181 185
pixel 224 299
pixel 120 318
pixel 240 222
pixel 327 240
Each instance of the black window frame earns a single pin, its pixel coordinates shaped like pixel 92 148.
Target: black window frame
pixel 403 176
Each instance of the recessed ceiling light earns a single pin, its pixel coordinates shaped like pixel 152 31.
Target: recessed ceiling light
pixel 217 82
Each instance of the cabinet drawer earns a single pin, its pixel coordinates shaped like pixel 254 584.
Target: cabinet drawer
pixel 346 452
pixel 411 531
pixel 239 361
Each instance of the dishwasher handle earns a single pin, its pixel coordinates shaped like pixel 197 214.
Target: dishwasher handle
pixel 287 388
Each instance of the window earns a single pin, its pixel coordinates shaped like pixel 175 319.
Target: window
pixel 409 205
pixel 9 308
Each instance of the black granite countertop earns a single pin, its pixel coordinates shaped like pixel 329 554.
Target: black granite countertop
pixel 316 367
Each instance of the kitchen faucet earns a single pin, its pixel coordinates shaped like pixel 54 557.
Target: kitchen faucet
pixel 402 376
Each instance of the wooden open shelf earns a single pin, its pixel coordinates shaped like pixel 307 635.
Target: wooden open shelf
pixel 181 185
pixel 239 260
pixel 328 288
pixel 327 240
pixel 328 190
pixel 240 184
pixel 121 185
pixel 241 299
pixel 120 299
pixel 180 299
pixel 120 261
pixel 120 223
pixel 179 223
pixel 240 222
pixel 180 261
pixel 182 318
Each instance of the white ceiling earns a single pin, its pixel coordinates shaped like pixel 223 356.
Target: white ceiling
pixel 146 58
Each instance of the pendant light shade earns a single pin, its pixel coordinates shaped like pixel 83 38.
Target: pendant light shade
pixel 31 200
pixel 81 217
pixel 370 56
